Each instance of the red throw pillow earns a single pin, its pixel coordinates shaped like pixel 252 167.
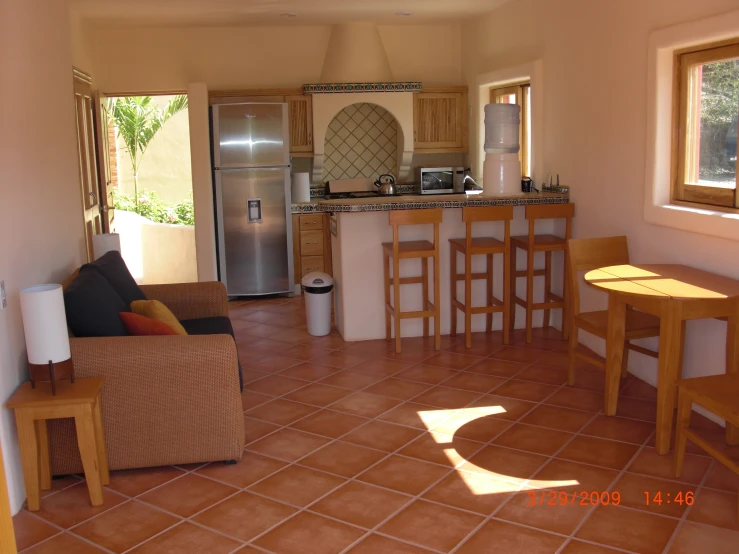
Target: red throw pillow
pixel 139 326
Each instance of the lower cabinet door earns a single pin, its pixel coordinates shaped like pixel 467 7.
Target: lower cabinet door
pixel 309 264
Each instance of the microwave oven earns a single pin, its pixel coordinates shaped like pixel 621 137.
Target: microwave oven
pixel 440 180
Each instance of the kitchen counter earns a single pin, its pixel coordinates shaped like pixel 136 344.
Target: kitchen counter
pixel 419 202
pixel 360 226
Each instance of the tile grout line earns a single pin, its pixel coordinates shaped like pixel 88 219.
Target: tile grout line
pixel 684 517
pixel 367 469
pixel 609 489
pixel 396 452
pixel 544 464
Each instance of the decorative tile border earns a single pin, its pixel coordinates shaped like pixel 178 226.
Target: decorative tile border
pixel 428 204
pixel 334 88
pixel 317 191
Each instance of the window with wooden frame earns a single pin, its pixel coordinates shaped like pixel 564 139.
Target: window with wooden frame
pixel 520 94
pixel 706 102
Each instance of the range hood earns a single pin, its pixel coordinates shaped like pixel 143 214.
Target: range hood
pixel 356 70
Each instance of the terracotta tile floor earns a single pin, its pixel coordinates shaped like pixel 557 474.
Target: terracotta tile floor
pixel 352 448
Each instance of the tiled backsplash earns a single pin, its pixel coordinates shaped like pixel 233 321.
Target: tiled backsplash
pixel 361 141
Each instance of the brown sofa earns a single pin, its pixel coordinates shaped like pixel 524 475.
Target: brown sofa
pixel 166 399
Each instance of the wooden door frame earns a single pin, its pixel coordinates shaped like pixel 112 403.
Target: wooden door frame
pixel 7 534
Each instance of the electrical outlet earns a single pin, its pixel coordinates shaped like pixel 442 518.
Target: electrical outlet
pixel 3 297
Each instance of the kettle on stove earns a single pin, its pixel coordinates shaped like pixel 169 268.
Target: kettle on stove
pixel 385 184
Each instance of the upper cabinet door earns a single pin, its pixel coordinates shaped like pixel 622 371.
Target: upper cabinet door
pixel 300 108
pixel 440 121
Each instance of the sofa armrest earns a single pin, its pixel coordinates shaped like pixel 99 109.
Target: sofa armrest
pixel 165 400
pixel 191 300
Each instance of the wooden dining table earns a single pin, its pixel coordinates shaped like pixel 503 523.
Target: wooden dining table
pixel 675 294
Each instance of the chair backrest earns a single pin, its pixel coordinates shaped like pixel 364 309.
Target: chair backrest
pixel 486 213
pixel 474 214
pixel 416 217
pixel 550 211
pixel 587 254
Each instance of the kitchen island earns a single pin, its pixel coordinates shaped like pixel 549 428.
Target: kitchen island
pixel 360 226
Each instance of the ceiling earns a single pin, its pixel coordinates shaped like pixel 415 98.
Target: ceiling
pixel 267 12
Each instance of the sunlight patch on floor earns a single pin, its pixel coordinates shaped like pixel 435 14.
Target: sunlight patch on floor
pixel 478 480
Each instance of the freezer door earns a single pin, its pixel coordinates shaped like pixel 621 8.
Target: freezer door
pixel 250 135
pixel 254 230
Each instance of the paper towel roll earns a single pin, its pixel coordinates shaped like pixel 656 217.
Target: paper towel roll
pixel 301 187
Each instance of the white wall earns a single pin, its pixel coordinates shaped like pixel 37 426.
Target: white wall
pixel 41 224
pixel 594 55
pixel 148 59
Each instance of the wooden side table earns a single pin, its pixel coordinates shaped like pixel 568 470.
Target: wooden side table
pixel 79 400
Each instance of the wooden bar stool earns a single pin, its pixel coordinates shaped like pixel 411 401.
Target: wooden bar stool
pixel 533 243
pixel 473 246
pixel 424 250
pixel 718 394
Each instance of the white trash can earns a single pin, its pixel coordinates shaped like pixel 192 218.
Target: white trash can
pixel 317 287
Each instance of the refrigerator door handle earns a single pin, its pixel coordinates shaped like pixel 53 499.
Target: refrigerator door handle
pixel 254 210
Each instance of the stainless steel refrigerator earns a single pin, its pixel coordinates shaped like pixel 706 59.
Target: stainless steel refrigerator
pixel 251 168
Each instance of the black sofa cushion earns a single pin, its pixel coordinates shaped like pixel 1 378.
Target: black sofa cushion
pixel 111 266
pixel 212 326
pixel 208 326
pixel 92 306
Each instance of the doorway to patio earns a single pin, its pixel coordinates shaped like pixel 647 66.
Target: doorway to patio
pixel 150 177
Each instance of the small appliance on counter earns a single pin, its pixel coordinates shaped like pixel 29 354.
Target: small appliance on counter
pixel 385 185
pixel 464 183
pixel 435 180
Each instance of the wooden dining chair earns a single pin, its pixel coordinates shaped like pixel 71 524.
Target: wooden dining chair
pixel 586 255
pixel 718 394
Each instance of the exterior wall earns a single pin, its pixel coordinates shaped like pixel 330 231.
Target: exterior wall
pixel 165 167
pixel 594 56
pixel 41 225
pixel 157 253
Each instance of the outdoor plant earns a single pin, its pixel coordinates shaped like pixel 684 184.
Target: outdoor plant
pixel 148 204
pixel 719 101
pixel 137 120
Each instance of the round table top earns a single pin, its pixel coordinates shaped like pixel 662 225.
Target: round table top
pixel 663 280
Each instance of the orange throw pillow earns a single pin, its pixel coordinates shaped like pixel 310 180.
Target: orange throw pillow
pixel 140 326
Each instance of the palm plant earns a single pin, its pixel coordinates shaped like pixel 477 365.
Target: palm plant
pixel 137 119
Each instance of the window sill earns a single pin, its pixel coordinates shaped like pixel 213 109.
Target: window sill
pixel 694 220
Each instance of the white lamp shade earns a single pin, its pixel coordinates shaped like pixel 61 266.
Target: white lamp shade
pixel 105 243
pixel 301 188
pixel 45 324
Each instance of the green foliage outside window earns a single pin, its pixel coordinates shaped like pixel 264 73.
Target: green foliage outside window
pixel 152 207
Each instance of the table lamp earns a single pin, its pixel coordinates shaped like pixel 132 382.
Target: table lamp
pixel 105 242
pixel 47 338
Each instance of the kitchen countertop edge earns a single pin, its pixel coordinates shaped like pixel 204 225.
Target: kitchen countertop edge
pixel 418 202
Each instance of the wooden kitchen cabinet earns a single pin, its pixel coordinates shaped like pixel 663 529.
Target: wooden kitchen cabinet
pixel 440 121
pixel 300 109
pixel 311 244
